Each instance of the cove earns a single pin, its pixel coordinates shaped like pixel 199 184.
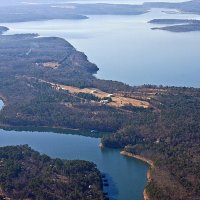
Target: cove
pixel 126 176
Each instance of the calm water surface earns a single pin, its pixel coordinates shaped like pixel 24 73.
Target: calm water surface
pixel 126 49
pixel 126 176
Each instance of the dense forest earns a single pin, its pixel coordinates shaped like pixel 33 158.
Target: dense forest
pixel 25 174
pixel 170 138
pixel 166 131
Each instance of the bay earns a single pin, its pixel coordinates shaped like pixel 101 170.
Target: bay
pixel 126 176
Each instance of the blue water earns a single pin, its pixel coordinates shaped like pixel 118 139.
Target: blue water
pixel 126 176
pixel 126 49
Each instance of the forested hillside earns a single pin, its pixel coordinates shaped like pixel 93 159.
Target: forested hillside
pixel 25 174
pixel 170 138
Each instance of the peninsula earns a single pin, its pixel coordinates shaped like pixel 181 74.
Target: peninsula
pixel 177 25
pixel 46 82
pixel 25 174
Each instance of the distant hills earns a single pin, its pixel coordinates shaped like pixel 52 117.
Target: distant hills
pixel 17 11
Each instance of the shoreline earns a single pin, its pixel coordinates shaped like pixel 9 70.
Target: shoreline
pixel 54 129
pixel 7 126
pixel 4 100
pixel 151 165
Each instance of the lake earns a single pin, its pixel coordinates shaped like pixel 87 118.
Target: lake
pixel 126 176
pixel 126 49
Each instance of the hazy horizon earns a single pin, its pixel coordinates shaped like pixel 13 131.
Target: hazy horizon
pixel 22 2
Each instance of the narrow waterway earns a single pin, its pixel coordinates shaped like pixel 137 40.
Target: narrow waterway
pixel 126 176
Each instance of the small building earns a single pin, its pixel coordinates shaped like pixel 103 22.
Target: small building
pixel 93 91
pixel 157 141
pixel 104 101
pixel 110 95
pixel 93 131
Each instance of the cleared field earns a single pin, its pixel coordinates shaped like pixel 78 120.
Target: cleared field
pixel 118 100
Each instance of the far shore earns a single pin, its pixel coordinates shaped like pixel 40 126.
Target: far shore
pixel 54 129
pixel 149 175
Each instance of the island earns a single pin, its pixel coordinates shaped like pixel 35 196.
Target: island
pixel 177 25
pixel 25 174
pixel 46 82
